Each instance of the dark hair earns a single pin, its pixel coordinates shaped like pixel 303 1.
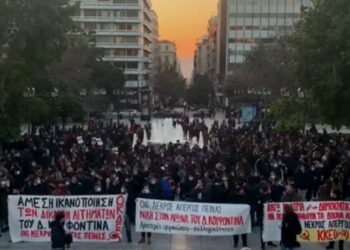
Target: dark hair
pixel 59 215
pixel 288 209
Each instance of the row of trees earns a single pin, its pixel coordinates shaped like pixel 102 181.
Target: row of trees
pixel 44 66
pixel 313 61
pixel 172 90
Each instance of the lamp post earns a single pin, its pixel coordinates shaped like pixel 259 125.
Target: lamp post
pixel 302 95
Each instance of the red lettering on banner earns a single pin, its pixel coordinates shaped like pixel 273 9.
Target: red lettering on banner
pixel 298 206
pixel 120 204
pixel 162 216
pixel 40 234
pixel 332 235
pixel 270 216
pixel 225 221
pixel 279 216
pixel 147 215
pixel 30 212
pixel 204 220
pixel 76 235
pixel 335 216
pixel 273 207
pixel 195 219
pixel 94 236
pixel 24 233
pixel 179 218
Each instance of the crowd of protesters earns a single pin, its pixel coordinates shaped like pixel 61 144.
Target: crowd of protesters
pixel 252 164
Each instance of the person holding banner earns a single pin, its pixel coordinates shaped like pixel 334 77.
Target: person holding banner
pixel 291 227
pixel 240 198
pixel 263 198
pixel 146 194
pixel 336 195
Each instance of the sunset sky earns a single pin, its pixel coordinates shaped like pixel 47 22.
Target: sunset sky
pixel 184 21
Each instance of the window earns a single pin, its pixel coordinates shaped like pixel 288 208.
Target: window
pixel 90 13
pixel 103 13
pixel 90 26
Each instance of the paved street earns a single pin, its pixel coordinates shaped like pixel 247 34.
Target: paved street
pixel 159 242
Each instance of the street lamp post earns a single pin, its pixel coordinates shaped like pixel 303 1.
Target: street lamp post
pixel 302 95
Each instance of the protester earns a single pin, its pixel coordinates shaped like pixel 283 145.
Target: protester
pixel 59 238
pixel 146 194
pixel 240 197
pixel 290 229
pixel 336 195
pixel 231 167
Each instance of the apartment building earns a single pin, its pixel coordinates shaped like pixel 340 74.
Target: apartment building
pixel 127 31
pixel 167 57
pixel 202 57
pixel 245 23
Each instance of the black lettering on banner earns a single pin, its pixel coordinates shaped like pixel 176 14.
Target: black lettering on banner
pixel 144 204
pixel 110 202
pixel 40 225
pixel 44 203
pixel 33 202
pixel 27 224
pixel 87 225
pixel 314 224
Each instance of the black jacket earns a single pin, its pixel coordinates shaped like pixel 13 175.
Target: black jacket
pixel 57 235
pixel 290 229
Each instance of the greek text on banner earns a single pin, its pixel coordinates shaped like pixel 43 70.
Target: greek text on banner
pixel 87 218
pixel 321 221
pixel 187 218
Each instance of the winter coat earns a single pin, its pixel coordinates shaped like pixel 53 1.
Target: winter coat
pixel 290 229
pixel 57 235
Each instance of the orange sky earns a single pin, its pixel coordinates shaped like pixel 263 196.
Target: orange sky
pixel 183 21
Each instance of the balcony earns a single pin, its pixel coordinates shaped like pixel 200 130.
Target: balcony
pixel 119 45
pixel 97 19
pixel 147 36
pixel 148 24
pixel 117 32
pixel 125 59
pixel 110 6
pixel 136 84
pixel 136 71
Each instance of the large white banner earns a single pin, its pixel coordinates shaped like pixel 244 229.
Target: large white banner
pixel 87 218
pixel 321 221
pixel 188 218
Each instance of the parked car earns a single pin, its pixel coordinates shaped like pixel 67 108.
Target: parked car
pixel 162 114
pixel 129 113
pixel 202 112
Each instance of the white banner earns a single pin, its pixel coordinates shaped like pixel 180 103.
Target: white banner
pixel 321 221
pixel 87 218
pixel 187 218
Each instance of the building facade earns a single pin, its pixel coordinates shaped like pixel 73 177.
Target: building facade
pixel 127 31
pixel 250 22
pixel 213 45
pixel 201 57
pixel 167 56
pixel 155 44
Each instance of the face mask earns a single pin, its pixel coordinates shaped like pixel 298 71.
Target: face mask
pixel 67 183
pixel 37 182
pixel 153 182
pixel 190 178
pixel 98 189
pixel 146 191
pixel 17 172
pixel 123 190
